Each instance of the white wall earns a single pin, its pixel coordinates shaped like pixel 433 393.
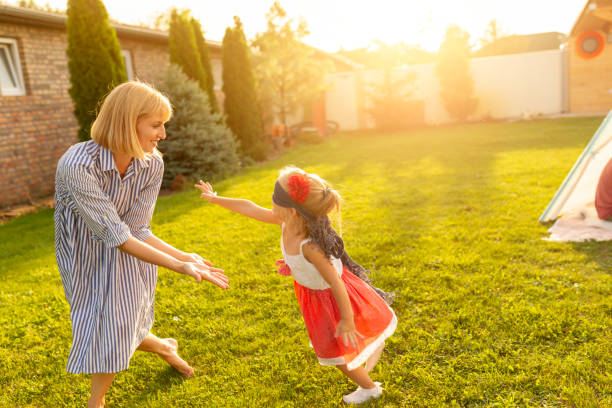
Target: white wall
pixel 507 86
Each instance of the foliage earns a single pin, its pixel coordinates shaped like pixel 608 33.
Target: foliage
pixel 453 69
pixel 94 59
pixel 490 315
pixel 198 144
pixel 390 101
pixel 184 49
pixel 383 56
pixel 492 33
pixel 31 4
pixel 241 108
pixel 287 71
pixel 205 61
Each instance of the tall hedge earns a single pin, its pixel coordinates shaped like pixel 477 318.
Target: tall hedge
pixel 199 145
pixel 241 108
pixel 205 60
pixel 183 48
pixel 94 59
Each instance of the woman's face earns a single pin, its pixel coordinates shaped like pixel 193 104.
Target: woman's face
pixel 150 129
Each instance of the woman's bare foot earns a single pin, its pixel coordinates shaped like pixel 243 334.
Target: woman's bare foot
pixel 170 354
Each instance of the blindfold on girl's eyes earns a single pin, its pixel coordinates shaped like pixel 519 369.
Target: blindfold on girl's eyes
pixel 282 199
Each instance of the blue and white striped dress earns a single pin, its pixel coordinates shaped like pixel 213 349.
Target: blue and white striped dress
pixel 111 294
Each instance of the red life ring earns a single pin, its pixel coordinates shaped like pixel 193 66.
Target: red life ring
pixel 589 44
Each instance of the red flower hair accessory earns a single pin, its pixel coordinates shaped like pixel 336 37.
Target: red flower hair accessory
pixel 283 268
pixel 299 187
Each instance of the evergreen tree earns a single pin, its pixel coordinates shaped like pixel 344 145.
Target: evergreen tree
pixel 94 59
pixel 183 48
pixel 199 144
pixel 205 60
pixel 241 108
pixel 453 68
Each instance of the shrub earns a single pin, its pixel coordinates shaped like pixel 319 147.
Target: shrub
pixel 94 59
pixel 241 108
pixel 391 103
pixel 199 145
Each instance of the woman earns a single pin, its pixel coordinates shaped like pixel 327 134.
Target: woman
pixel 106 190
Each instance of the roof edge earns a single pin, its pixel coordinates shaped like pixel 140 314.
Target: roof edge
pixel 582 13
pixel 22 15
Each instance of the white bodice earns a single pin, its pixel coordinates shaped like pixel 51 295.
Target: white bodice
pixel 305 273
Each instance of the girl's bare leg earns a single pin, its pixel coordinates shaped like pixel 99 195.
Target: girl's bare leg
pixel 359 375
pixel 100 383
pixel 373 359
pixel 168 350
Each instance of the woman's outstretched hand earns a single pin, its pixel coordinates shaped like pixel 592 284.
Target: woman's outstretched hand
pixel 195 258
pixel 207 191
pixel 200 271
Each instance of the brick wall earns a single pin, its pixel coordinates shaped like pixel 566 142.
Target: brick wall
pixel 148 59
pixel 590 82
pixel 36 129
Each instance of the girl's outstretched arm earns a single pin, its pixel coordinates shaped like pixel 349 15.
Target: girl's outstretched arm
pixel 240 206
pixel 346 326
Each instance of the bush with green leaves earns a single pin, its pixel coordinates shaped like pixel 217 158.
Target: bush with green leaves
pixel 241 108
pixel 391 104
pixel 198 144
pixel 94 59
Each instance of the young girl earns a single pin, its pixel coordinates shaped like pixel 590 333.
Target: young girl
pixel 347 319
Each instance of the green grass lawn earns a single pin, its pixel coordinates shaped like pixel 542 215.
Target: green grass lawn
pixel 489 313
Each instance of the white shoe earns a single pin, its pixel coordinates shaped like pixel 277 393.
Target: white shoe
pixel 361 395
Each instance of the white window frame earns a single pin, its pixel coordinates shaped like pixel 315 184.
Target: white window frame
pixel 127 60
pixel 8 46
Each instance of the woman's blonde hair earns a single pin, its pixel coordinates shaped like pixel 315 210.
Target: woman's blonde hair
pixel 115 124
pixel 322 198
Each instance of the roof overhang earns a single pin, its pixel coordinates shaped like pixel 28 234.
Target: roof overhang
pixel 26 16
pixel 596 15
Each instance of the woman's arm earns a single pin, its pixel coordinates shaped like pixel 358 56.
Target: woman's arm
pixel 163 246
pixel 150 254
pixel 346 326
pixel 240 206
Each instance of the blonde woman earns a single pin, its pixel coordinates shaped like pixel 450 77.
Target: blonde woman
pixel 106 190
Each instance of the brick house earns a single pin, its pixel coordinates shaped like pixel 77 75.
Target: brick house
pixel 37 124
pixel 590 59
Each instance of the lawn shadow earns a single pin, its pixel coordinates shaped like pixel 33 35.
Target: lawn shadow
pixel 163 380
pixel 598 252
pixel 24 239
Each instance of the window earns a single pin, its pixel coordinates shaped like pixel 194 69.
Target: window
pixel 127 59
pixel 11 77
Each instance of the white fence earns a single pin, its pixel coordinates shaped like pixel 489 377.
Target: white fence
pixel 508 86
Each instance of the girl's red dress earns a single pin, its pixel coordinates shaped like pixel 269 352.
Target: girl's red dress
pixel 374 319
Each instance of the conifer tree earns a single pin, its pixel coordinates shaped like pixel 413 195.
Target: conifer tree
pixel 241 108
pixel 453 68
pixel 94 59
pixel 183 48
pixel 199 144
pixel 205 60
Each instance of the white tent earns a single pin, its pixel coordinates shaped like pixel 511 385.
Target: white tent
pixel 578 188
